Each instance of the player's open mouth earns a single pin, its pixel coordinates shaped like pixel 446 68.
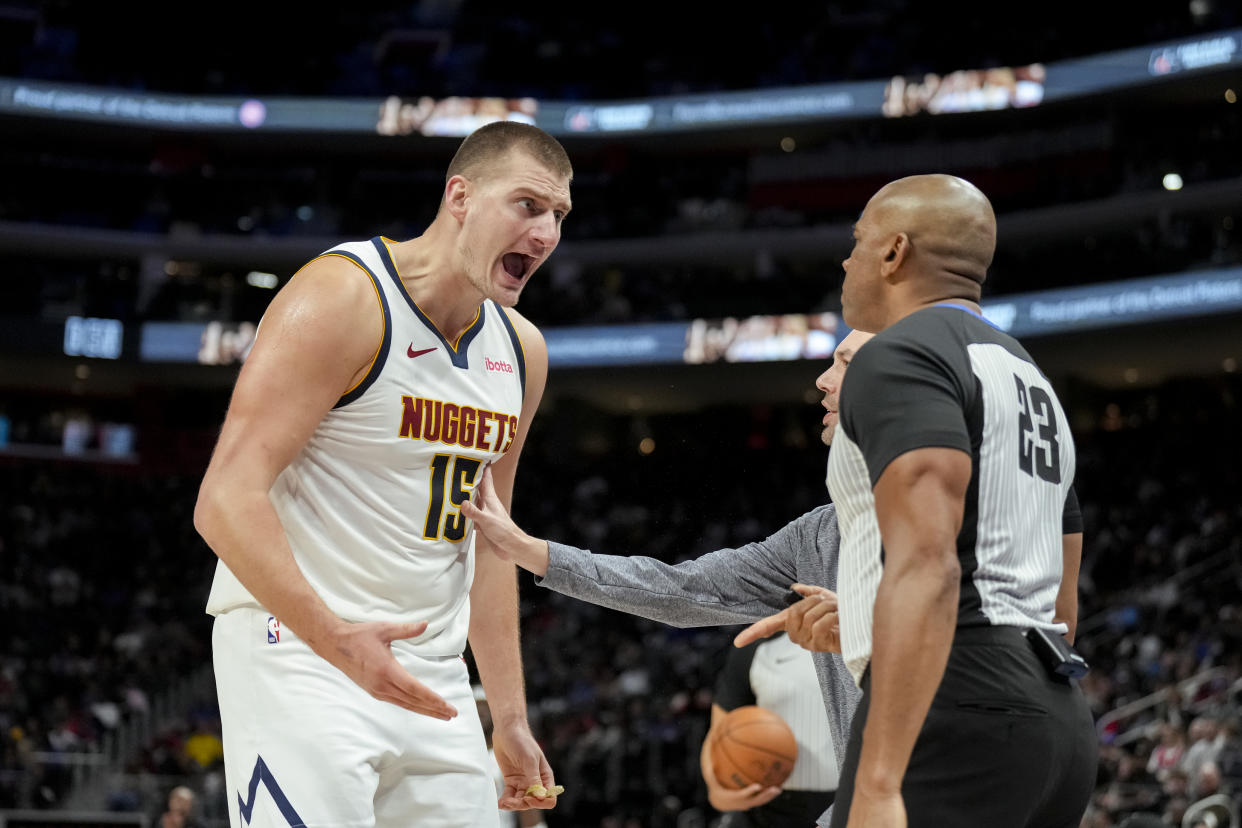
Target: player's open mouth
pixel 517 265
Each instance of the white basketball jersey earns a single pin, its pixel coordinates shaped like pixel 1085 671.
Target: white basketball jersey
pixel 371 504
pixel 784 681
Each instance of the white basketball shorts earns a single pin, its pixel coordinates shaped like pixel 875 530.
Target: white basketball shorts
pixel 304 745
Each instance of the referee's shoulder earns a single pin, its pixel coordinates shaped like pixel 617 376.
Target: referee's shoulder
pixel 929 331
pixel 917 325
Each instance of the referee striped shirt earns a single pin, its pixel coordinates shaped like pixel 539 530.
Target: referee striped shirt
pixel 946 377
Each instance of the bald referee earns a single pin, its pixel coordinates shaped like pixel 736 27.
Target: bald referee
pixel 950 470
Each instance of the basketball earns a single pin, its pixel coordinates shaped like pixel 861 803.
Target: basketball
pixel 753 745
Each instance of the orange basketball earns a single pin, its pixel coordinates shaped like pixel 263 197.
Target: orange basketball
pixel 753 745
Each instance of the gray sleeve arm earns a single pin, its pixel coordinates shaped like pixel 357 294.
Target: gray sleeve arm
pixel 729 586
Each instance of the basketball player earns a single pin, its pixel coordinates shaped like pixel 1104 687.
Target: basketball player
pixel 385 377
pixel 951 469
pixel 778 675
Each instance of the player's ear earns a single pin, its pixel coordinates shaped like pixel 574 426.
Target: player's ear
pixel 457 192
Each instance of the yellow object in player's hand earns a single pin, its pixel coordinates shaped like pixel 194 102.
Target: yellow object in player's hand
pixel 541 792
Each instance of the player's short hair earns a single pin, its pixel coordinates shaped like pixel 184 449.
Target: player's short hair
pixel 493 141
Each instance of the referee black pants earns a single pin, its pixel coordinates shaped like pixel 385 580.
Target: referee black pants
pixel 800 809
pixel 1003 746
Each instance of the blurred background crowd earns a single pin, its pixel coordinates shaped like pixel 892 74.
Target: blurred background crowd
pixel 105 578
pixel 106 695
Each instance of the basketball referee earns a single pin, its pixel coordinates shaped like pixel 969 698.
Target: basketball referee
pixel 950 470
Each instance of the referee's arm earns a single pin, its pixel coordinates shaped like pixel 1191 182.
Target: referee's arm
pixel 919 501
pixel 1067 595
pixel 1071 562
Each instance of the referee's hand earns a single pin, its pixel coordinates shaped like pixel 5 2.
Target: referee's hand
pixel 811 623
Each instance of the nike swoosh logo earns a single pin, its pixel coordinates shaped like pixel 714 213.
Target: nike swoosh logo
pixel 785 658
pixel 411 353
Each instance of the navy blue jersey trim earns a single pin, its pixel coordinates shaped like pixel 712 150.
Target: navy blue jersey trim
pixel 456 354
pixel 518 351
pixel 262 773
pixel 378 364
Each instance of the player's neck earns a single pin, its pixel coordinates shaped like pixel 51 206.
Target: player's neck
pixel 430 273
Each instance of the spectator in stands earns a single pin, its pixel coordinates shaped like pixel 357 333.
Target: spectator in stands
pixel 1176 786
pixel 1206 781
pixel 1229 758
pixel 1205 743
pixel 203 746
pixel 180 809
pixel 1168 753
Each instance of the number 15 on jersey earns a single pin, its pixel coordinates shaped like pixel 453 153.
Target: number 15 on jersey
pixel 454 485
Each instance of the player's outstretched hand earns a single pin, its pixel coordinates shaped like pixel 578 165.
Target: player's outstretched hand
pixel 491 517
pixel 364 653
pixel 812 623
pixel 504 537
pixel 528 776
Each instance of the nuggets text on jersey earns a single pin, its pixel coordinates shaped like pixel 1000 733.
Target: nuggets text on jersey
pixel 456 424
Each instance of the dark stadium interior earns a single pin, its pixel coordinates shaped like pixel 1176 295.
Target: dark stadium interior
pixel 106 695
